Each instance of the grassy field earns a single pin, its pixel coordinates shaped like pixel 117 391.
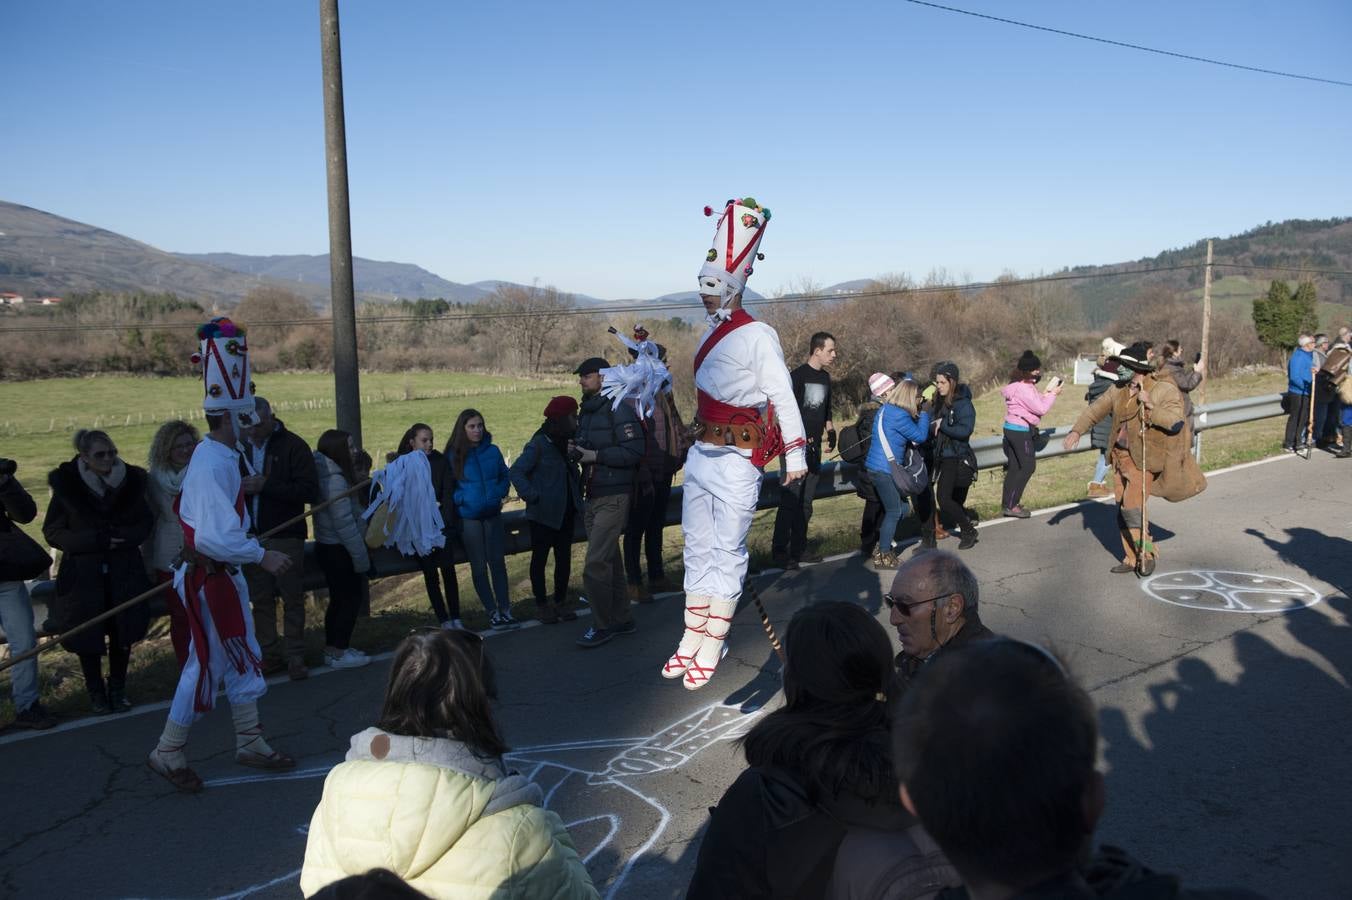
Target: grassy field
pixel 512 408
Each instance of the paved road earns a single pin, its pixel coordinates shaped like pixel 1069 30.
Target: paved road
pixel 1225 716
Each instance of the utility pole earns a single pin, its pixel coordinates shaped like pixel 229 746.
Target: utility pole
pixel 346 383
pixel 1206 341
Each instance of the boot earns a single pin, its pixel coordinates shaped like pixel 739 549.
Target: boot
pixel 928 537
pixel 940 532
pixel 1346 450
pixel 117 698
pixel 696 619
pixel 547 614
pixel 969 539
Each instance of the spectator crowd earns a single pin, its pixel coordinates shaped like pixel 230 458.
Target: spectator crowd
pixel 849 787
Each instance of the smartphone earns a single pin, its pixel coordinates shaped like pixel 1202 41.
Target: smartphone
pixel 1196 359
pixel 1056 381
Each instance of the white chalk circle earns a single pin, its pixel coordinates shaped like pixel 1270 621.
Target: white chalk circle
pixel 1241 592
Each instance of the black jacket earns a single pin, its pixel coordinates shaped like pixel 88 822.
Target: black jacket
pixel 443 486
pixel 617 437
pixel 17 504
pixel 1100 435
pixel 908 666
pixel 292 482
pixel 94 575
pixel 957 421
pixel 1114 875
pixel 767 839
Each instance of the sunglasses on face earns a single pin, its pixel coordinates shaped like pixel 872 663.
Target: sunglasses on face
pixel 904 606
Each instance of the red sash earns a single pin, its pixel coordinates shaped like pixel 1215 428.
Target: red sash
pixel 710 410
pixel 225 608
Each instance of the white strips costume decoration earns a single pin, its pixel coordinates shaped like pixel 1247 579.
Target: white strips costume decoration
pixel 208 583
pixel 412 520
pixel 642 379
pixel 747 416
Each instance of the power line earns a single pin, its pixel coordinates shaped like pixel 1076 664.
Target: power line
pixel 1100 40
pixel 648 308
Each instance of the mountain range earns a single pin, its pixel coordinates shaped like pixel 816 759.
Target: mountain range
pixel 42 254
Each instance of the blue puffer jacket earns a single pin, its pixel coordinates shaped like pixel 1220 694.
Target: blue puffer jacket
pixel 1298 372
pixel 899 427
pixel 479 494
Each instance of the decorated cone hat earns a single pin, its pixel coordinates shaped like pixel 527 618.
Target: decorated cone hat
pixel 732 258
pixel 227 381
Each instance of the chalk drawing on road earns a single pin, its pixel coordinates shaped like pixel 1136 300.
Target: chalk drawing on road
pixel 1222 591
pixel 613 822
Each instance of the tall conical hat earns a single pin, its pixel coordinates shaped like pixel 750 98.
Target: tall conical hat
pixel 731 260
pixel 227 382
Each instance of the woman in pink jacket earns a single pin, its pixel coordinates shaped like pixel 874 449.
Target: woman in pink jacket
pixel 1025 406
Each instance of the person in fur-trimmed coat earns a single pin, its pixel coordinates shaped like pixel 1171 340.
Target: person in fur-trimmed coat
pixel 98 519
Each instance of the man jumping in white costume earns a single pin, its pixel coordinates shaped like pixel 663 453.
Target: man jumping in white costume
pixel 208 581
pixel 747 416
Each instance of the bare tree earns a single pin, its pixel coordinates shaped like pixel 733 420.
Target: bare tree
pixel 535 316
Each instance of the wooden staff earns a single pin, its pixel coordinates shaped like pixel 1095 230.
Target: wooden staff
pixel 1145 495
pixel 1309 426
pixel 141 598
pixel 765 622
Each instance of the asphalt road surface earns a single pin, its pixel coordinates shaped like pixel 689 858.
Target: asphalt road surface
pixel 1223 684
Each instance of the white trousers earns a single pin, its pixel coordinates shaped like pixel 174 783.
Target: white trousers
pixel 244 688
pixel 719 501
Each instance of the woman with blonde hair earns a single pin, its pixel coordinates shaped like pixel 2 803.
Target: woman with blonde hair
pixel 899 422
pixel 166 465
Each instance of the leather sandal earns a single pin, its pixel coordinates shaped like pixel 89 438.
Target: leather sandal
pixel 184 780
pixel 274 761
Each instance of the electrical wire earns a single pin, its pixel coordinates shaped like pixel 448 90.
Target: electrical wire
pixel 1129 46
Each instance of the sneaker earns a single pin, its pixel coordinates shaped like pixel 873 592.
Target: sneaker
pixel 509 619
pixel 594 637
pixel 453 625
pixel 35 717
pixel 886 561
pixel 969 539
pixel 1099 489
pixel 626 628
pixel 790 565
pixel 638 595
pixel 349 659
pixel 497 622
pixel 1017 512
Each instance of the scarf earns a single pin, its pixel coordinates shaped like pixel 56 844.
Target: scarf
pixel 102 484
pixel 169 481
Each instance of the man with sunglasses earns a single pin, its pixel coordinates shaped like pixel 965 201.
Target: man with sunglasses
pixel 933 606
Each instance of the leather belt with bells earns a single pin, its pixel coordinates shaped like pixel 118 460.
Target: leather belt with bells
pixel 743 437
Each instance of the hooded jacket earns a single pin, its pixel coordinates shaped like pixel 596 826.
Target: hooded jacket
pixel 339 522
pixel 547 480
pixel 956 424
pixel 447 822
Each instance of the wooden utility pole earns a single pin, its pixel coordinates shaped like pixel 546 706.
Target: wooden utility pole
pixel 346 383
pixel 1206 340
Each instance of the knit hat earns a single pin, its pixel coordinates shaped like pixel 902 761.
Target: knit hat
pixel 947 368
pixel 1029 362
pixel 728 264
pixel 560 406
pixel 879 384
pixel 1112 347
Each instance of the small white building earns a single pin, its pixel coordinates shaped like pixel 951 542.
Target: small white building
pixel 50 301
pixel 8 298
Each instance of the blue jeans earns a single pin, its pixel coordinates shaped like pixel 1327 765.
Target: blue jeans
pixel 16 617
pixel 893 508
pixel 1101 468
pixel 485 545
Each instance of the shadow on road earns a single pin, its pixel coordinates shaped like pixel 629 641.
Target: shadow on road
pixel 1100 520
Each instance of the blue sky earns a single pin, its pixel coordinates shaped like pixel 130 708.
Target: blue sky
pixel 575 143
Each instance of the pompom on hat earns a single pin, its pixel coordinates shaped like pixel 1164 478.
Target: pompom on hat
pixel 736 248
pixel 879 384
pixel 227 379
pixel 1028 362
pixel 560 406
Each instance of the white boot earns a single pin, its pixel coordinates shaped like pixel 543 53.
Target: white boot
pixel 696 616
pixel 711 649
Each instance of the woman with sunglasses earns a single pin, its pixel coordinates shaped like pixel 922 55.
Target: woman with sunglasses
pixel 98 518
pixel 426 794
pixel 818 812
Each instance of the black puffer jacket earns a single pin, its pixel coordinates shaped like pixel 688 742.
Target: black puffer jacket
pixel 96 575
pixel 957 421
pixel 292 482
pixel 617 437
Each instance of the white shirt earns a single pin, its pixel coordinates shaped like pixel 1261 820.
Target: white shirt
pixel 746 368
pixel 207 506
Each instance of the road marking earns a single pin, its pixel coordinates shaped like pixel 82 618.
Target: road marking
pixel 1215 590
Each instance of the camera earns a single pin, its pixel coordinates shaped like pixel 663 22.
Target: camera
pixel 575 450
pixel 8 466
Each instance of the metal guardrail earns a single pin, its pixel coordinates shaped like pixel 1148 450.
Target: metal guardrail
pixel 836 478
